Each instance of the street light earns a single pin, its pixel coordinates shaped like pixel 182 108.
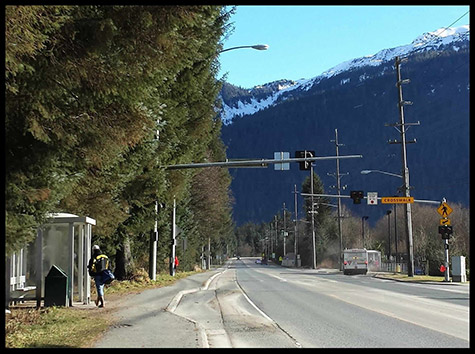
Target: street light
pixel 365 172
pixel 256 46
pixel 362 227
pixel 388 213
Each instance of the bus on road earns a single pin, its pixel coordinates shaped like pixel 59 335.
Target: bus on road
pixel 355 261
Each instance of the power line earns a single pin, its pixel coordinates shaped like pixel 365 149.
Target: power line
pixel 439 33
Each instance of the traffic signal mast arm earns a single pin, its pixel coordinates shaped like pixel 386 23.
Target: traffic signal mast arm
pixel 256 162
pixel 379 198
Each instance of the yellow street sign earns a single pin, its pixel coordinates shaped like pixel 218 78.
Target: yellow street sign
pixel 444 209
pixel 444 221
pixel 397 200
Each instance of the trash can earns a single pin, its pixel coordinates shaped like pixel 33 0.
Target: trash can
pixel 56 287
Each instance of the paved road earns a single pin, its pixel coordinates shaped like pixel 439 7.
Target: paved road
pixel 328 309
pixel 249 305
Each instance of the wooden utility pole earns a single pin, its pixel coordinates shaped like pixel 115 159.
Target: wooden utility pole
pixel 338 188
pixel 405 170
pixel 295 226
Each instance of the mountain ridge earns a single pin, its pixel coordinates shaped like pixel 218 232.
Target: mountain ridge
pixel 263 96
pixel 360 103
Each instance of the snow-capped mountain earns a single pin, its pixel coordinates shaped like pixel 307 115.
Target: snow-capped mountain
pixel 264 96
pixel 359 98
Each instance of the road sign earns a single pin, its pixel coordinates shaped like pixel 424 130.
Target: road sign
pixel 444 221
pixel 372 198
pixel 444 209
pixel 281 156
pixel 397 200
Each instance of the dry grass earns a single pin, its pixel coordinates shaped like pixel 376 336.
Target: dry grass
pixel 75 327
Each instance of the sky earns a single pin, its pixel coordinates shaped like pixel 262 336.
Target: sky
pixel 305 41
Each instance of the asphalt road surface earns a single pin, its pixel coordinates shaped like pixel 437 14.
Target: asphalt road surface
pixel 249 305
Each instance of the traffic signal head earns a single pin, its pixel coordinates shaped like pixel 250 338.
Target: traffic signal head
pixel 356 196
pixel 445 231
pixel 304 165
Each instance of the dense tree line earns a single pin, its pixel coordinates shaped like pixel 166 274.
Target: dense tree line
pixel 98 100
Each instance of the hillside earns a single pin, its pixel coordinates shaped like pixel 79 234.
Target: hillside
pixel 358 98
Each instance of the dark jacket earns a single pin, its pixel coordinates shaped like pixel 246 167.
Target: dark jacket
pixel 97 263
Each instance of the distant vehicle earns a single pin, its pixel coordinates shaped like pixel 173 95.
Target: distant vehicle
pixel 264 261
pixel 355 261
pixel 258 261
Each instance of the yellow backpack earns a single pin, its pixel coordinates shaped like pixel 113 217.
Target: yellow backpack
pixel 100 263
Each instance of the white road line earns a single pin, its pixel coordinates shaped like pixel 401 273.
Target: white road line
pixel 275 324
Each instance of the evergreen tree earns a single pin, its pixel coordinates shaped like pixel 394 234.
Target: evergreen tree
pixel 87 89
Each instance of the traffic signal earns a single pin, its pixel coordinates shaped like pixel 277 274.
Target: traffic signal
pixel 304 165
pixel 445 231
pixel 356 196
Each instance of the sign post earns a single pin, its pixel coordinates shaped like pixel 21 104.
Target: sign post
pixel 445 230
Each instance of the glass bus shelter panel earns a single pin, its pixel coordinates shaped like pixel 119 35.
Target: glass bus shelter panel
pixel 55 249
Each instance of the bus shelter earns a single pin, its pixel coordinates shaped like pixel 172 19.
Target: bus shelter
pixel 64 241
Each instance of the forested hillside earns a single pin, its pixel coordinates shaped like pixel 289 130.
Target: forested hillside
pixel 361 104
pixel 98 100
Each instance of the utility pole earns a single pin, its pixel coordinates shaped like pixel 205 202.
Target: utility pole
pixel 153 247
pixel 405 170
pixel 172 253
pixel 283 233
pixel 295 225
pixel 152 268
pixel 338 188
pixel 395 234
pixel 208 254
pixel 314 251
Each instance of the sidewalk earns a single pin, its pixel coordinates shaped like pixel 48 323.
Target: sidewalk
pixel 420 279
pixel 141 320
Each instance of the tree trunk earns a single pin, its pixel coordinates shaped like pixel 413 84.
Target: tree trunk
pixel 124 263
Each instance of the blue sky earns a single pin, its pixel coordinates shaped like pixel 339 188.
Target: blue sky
pixel 304 41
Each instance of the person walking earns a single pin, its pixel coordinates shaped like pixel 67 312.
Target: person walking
pixel 97 264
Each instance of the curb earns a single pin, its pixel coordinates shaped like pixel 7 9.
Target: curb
pixel 382 276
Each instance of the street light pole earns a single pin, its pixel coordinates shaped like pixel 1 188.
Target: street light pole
pixel 314 253
pixel 362 228
pixel 256 46
pixel 365 172
pixel 295 226
pixel 388 213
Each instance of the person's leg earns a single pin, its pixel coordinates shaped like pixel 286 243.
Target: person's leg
pixel 100 291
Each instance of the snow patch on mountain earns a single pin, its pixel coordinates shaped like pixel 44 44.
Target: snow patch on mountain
pixel 279 90
pixel 249 108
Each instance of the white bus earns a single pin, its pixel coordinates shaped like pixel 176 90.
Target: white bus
pixel 355 261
